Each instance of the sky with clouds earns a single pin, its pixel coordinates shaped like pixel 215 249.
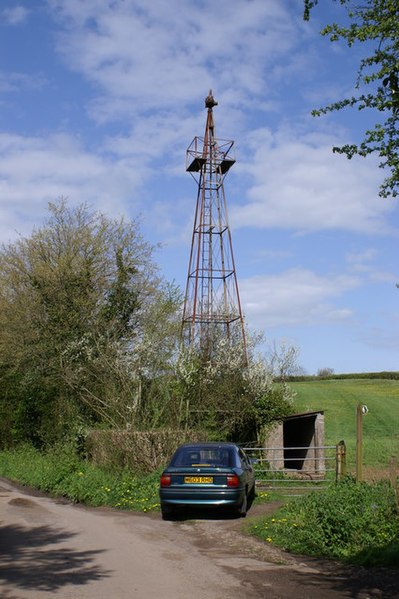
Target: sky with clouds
pixel 99 100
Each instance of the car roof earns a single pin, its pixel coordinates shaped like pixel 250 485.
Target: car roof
pixel 209 444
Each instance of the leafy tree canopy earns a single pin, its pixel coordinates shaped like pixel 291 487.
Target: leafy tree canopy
pixel 85 318
pixel 89 337
pixel 375 22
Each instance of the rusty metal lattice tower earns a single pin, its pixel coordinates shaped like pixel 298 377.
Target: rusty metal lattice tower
pixel 212 308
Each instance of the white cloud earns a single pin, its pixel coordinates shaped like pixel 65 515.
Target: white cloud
pixel 145 55
pixel 151 60
pixel 295 297
pixel 365 263
pixel 13 82
pixel 157 141
pixel 15 15
pixel 297 183
pixel 34 171
pixel 362 261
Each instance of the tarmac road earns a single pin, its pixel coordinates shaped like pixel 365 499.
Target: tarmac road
pixel 50 548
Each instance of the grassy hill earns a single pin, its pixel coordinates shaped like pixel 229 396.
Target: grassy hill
pixel 339 398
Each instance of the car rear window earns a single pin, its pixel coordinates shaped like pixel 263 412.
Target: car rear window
pixel 203 456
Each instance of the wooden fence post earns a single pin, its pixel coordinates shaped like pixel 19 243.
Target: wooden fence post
pixel 393 475
pixel 340 460
pixel 360 411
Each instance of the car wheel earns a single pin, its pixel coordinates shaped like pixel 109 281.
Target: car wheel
pixel 242 510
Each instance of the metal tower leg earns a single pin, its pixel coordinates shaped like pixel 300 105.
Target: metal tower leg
pixel 212 307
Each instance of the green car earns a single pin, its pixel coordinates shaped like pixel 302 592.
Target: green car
pixel 215 475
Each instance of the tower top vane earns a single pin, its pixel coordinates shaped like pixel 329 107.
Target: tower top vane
pixel 210 101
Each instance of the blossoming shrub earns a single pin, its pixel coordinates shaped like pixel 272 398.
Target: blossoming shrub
pixel 348 520
pixel 230 399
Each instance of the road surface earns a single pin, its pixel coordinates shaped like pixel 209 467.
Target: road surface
pixel 51 549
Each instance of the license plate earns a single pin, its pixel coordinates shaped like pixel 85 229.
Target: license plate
pixel 202 480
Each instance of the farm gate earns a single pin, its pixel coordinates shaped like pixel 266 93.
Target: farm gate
pixel 296 470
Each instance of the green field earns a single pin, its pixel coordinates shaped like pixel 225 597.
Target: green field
pixel 339 398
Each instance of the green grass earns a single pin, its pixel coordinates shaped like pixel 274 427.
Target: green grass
pixel 339 398
pixel 354 522
pixel 358 523
pixel 60 472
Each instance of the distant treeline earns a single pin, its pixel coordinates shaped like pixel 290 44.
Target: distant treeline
pixel 357 375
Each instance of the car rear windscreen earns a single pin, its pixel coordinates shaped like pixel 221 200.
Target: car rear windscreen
pixel 203 456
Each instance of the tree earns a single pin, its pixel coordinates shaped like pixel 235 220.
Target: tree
pixel 282 359
pixel 325 373
pixel 375 22
pixel 84 319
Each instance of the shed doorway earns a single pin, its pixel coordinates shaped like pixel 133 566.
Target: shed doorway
pixel 298 444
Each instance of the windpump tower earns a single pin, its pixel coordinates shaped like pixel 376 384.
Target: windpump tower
pixel 212 308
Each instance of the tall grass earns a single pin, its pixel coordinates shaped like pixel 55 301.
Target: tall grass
pixel 356 522
pixel 61 472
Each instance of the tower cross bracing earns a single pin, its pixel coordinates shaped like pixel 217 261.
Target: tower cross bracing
pixel 212 307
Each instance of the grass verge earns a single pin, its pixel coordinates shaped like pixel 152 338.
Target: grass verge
pixel 354 522
pixel 61 472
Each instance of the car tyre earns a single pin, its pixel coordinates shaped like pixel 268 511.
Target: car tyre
pixel 242 510
pixel 251 494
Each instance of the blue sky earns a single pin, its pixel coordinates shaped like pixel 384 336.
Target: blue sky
pixel 99 100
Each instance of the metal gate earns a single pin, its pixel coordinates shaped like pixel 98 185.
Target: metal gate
pixel 297 470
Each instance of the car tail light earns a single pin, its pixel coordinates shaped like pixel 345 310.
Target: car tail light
pixel 166 480
pixel 233 480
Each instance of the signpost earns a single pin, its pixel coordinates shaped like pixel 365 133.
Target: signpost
pixel 361 410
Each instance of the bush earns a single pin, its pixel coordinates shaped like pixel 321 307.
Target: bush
pixel 348 520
